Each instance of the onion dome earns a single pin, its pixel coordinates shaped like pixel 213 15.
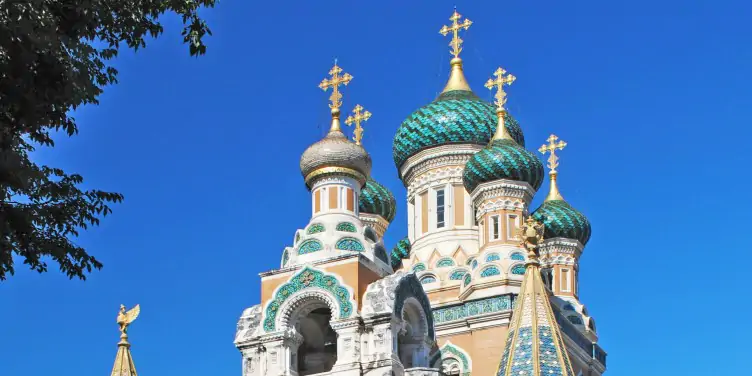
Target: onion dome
pixel 335 153
pixel 400 251
pixel 457 116
pixel 503 158
pixel 561 220
pixel 376 199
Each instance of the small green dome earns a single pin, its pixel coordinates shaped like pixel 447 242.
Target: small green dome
pixel 503 159
pixel 376 199
pixel 400 251
pixel 561 220
pixel 455 117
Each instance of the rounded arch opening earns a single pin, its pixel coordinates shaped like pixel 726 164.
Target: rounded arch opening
pixel 412 336
pixel 317 341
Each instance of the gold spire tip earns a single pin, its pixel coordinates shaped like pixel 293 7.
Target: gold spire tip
pixel 336 79
pixel 502 78
pixel 553 162
pixel 360 115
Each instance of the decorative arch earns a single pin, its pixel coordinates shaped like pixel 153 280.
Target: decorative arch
pixel 430 278
pixel 445 263
pixel 308 284
pixel 349 244
pixel 315 228
pixel 493 257
pixel 285 257
pixel 490 271
pixel 469 261
pixel 309 246
pixel 467 279
pixel 346 227
pixel 517 256
pixel 451 351
pixel 518 269
pixel 419 267
pixel 457 274
pixel 574 319
pixel 410 287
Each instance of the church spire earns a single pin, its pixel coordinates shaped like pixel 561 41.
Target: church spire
pixel 534 345
pixel 123 360
pixel 457 79
pixel 553 163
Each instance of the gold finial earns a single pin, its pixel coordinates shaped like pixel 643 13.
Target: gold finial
pixel 456 42
pixel 357 119
pixel 502 78
pixel 336 98
pixel 126 318
pixel 553 163
pixel 531 233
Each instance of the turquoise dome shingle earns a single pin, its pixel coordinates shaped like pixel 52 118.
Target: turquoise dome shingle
pixel 455 117
pixel 376 199
pixel 561 220
pixel 400 251
pixel 503 159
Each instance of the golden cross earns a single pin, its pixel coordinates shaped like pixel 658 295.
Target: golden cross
pixel 498 83
pixel 552 146
pixel 456 42
pixel 357 119
pixel 334 82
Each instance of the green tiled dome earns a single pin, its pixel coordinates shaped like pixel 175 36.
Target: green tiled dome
pixel 400 251
pixel 376 199
pixel 455 117
pixel 561 220
pixel 503 159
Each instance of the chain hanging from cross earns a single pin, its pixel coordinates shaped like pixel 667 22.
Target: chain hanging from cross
pixel 551 147
pixel 502 78
pixel 360 115
pixel 334 82
pixel 456 42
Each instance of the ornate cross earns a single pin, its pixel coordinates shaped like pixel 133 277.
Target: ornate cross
pixel 334 82
pixel 552 146
pixel 498 83
pixel 456 42
pixel 357 119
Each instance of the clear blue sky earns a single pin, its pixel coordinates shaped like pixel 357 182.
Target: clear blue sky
pixel 653 98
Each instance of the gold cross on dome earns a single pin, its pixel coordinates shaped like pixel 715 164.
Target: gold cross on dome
pixel 361 115
pixel 498 83
pixel 333 82
pixel 456 42
pixel 552 146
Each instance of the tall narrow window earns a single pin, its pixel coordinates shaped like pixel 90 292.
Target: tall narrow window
pixel 440 208
pixel 565 280
pixel 494 231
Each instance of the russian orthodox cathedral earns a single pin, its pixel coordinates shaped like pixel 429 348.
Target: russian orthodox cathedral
pixel 482 285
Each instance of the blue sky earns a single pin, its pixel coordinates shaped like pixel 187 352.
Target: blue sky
pixel 652 97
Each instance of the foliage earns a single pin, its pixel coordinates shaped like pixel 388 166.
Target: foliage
pixel 54 58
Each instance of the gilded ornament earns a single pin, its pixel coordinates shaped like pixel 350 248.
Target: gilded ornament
pixel 334 82
pixel 126 318
pixel 359 115
pixel 531 234
pixel 456 42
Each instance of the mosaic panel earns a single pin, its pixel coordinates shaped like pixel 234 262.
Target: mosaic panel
pixel 419 267
pixel 451 351
pixel 349 244
pixel 428 279
pixel 548 360
pixel 490 271
pixel 445 263
pixel 493 257
pixel 522 364
pixel 467 279
pixel 315 228
pixel 472 308
pixel 308 278
pixel 457 275
pixel 518 269
pixel 309 246
pixel 517 256
pixel 346 227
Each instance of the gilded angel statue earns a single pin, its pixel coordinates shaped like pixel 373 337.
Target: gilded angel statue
pixel 126 318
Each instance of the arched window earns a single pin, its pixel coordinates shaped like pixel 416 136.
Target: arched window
pixel 493 257
pixel 469 261
pixel 518 269
pixel 575 320
pixel 490 271
pixel 412 336
pixel 285 258
pixel 569 307
pixel 517 256
pixel 349 244
pixel 315 228
pixel 467 279
pixel 309 246
pixel 474 264
pixel 444 263
pixel 428 279
pixel 419 267
pixel 346 227
pixel 318 352
pixel 591 324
